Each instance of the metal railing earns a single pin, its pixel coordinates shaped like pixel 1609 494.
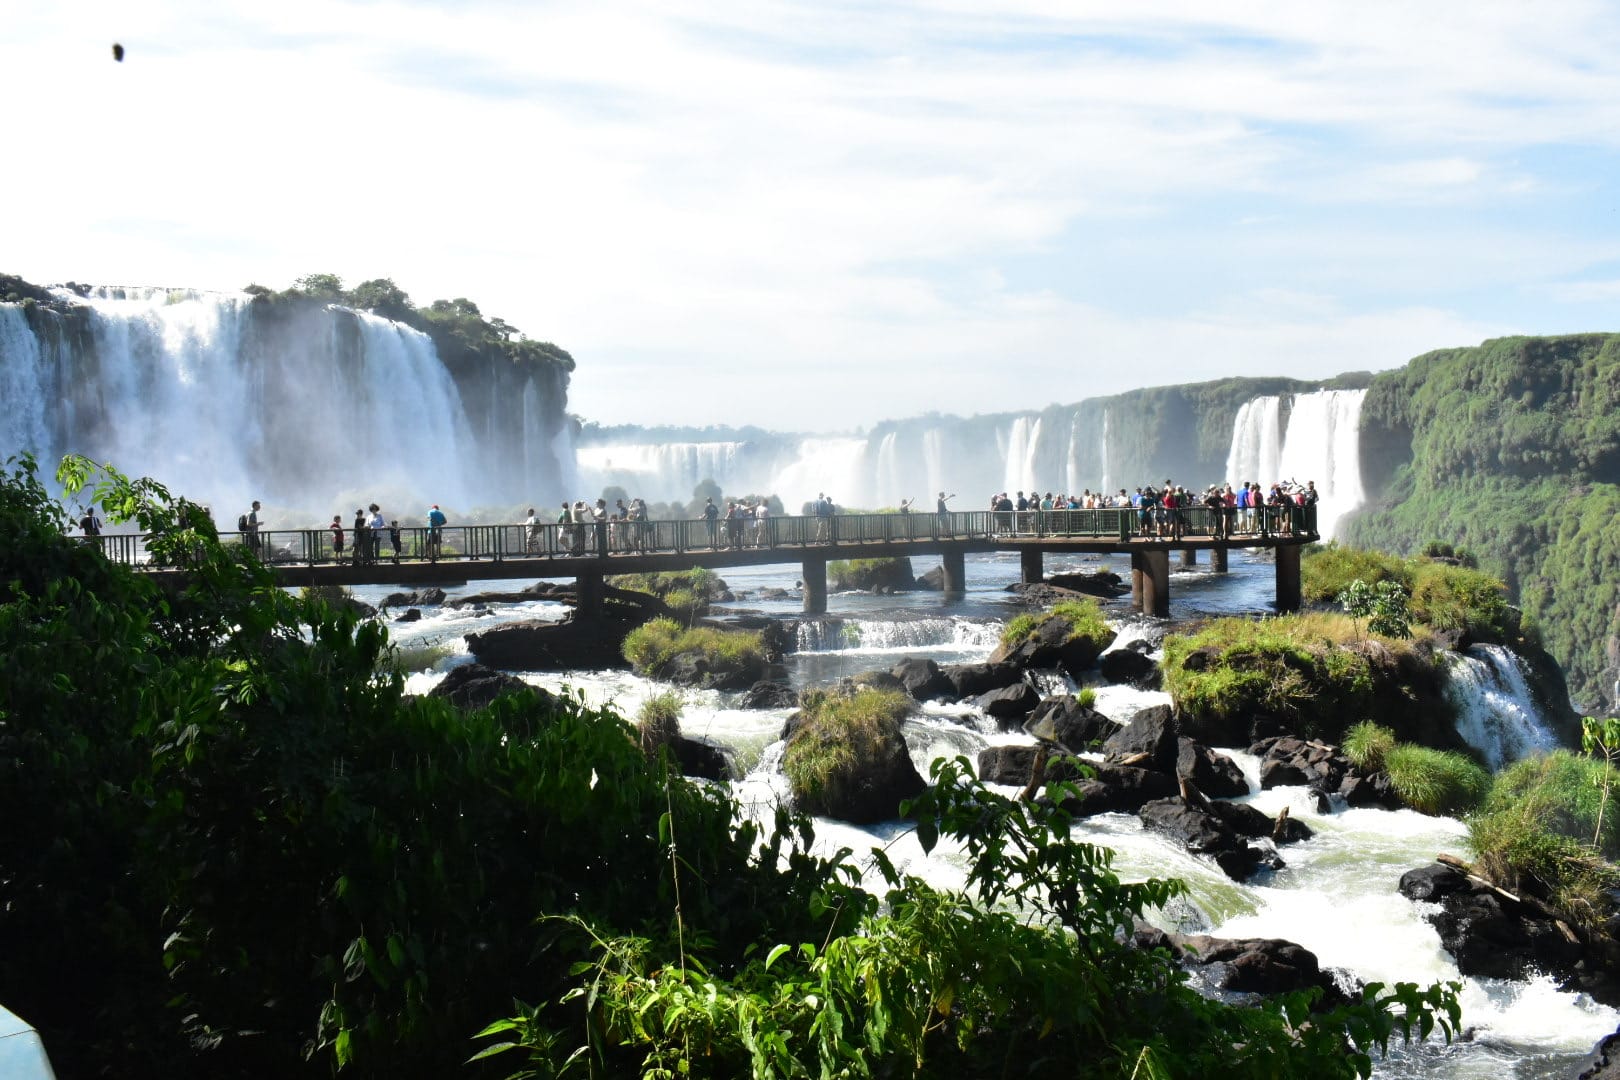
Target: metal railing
pixel 456 543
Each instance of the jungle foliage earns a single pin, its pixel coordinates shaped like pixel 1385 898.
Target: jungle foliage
pixel 1512 451
pixel 236 848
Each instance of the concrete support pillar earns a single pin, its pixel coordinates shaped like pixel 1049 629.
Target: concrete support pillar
pixel 1288 588
pixel 1217 560
pixel 1031 566
pixel 953 568
pixel 588 596
pixel 1155 575
pixel 815 586
pixel 1189 558
pixel 1136 581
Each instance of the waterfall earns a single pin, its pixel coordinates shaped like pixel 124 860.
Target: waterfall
pixel 313 410
pixel 878 635
pixel 1496 713
pixel 1321 443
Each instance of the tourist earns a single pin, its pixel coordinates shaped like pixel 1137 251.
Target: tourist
pixel 824 513
pixel 531 533
pixel 435 538
pixel 253 524
pixel 337 537
pixel 762 523
pixel 566 530
pixel 376 524
pixel 393 539
pixel 943 514
pixel 711 521
pixel 362 538
pixel 89 523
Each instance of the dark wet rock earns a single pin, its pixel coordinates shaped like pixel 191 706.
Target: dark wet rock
pixel 410 615
pixel 924 680
pixel 1493 934
pixel 1290 830
pixel 472 686
pixel 701 758
pixel 540 590
pixel 869 790
pixel 971 680
pixel 536 645
pixel 1130 665
pixel 1251 965
pixel 1015 764
pixel 932 580
pixel 769 694
pixel 713 672
pixel 1050 646
pixel 870 680
pixel 1605 1061
pixel 419 598
pixel 1375 790
pixel 1010 702
pixel 873 575
pixel 1152 732
pixel 1101 583
pixel 1119 789
pixel 1216 775
pixel 1287 761
pixel 1062 720
pixel 1204 832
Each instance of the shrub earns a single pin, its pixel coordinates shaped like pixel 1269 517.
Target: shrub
pixel 1367 744
pixel 686 592
pixel 659 722
pixel 1436 781
pixel 651 646
pixel 1328 570
pixel 835 732
pixel 1087 697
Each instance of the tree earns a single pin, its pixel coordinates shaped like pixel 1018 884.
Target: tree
pixel 328 287
pixel 382 297
pixel 1383 607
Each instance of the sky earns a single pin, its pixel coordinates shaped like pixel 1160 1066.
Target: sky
pixel 814 216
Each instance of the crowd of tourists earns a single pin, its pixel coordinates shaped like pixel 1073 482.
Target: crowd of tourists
pixel 583 527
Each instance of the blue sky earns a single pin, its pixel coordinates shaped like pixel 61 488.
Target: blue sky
pixel 819 215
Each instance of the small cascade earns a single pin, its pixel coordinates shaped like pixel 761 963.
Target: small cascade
pixel 882 635
pixel 1496 712
pixel 1256 441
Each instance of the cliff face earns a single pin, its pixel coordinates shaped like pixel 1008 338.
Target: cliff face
pixel 1512 450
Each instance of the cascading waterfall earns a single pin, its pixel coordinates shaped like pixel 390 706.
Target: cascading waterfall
pixel 1496 712
pixel 1320 443
pixel 828 635
pixel 1256 441
pixel 311 410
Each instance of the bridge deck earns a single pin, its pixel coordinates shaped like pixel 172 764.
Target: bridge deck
pixel 420 556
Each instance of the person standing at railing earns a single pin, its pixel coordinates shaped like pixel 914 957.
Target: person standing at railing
pixel 436 520
pixel 762 523
pixel 251 538
pixel 531 533
pixel 377 524
pixel 90 524
pixel 943 513
pixel 362 539
pixel 337 537
pixel 711 521
pixel 393 539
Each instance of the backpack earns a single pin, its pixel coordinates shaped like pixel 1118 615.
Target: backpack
pixel 241 523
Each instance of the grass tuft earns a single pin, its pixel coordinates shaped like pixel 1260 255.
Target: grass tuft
pixel 1436 781
pixel 1368 744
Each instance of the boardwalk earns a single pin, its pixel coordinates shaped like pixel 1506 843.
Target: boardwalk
pixel 591 552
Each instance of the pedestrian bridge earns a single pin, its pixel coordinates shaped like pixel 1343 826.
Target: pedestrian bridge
pixel 594 551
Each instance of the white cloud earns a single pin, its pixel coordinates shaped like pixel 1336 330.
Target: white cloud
pixel 782 204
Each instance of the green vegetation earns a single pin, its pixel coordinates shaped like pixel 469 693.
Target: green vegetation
pixel 1367 744
pixel 1299 669
pixel 1087 697
pixel 836 733
pixel 1549 827
pixel 1510 451
pixel 688 593
pixel 1383 607
pixel 651 646
pixel 1439 594
pixel 659 722
pixel 248 854
pixel 1436 781
pixel 1085 619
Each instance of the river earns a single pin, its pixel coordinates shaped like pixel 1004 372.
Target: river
pixel 1337 896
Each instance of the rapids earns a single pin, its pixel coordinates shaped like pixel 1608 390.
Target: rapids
pixel 1337 896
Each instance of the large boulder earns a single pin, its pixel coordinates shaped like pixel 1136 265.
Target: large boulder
pixel 714 672
pixel 420 598
pixel 1118 789
pixel 1015 764
pixel 1131 665
pixel 1253 965
pixel 1053 643
pixel 769 694
pixel 1494 935
pixel 1203 832
pixel 1287 761
pixel 1216 775
pixel 1100 583
pixel 1063 721
pixel 1010 703
pixel 537 645
pixel 701 758
pixel 472 686
pixel 971 680
pixel 1151 732
pixel 846 755
pixel 924 680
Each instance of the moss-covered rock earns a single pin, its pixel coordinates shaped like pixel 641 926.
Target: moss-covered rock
pixel 870 575
pixel 1071 636
pixel 847 757
pixel 700 656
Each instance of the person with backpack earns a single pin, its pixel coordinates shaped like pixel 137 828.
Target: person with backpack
pixel 249 525
pixel 711 519
pixel 89 523
pixel 436 520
